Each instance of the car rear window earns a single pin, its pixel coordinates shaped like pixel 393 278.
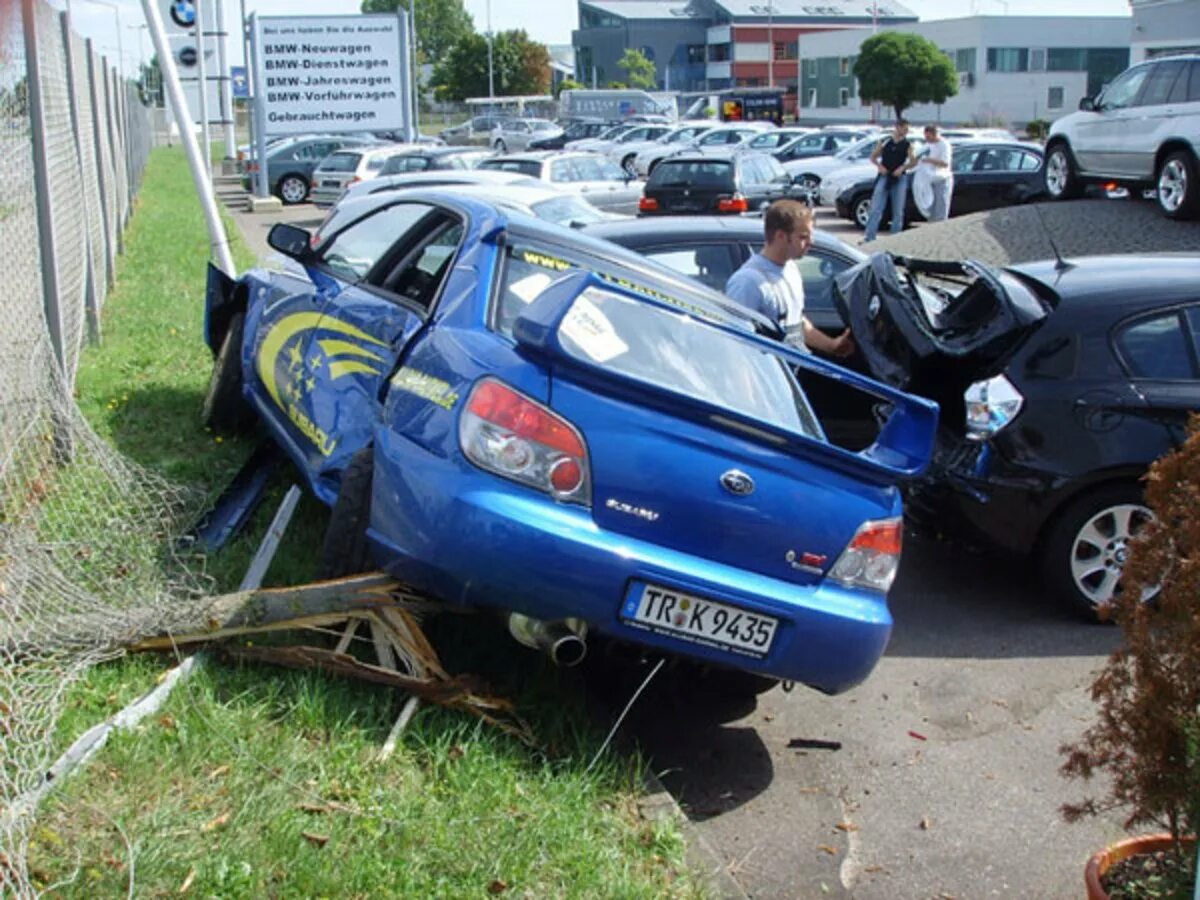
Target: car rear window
pixel 659 347
pixel 694 173
pixel 522 166
pixel 341 162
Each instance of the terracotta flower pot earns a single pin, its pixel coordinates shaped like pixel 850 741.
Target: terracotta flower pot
pixel 1101 862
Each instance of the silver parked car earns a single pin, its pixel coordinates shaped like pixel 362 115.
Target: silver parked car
pixel 593 177
pixel 725 136
pixel 1142 131
pixel 515 134
pixel 476 131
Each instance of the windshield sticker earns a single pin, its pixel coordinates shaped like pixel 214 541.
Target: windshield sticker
pixel 426 387
pixel 591 330
pixel 559 265
pixel 546 262
pixel 530 288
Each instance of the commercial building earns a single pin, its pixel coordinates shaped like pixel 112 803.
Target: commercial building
pixel 1011 69
pixel 703 45
pixel 1162 27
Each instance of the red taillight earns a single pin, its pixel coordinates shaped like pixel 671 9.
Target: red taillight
pixel 647 204
pixel 510 434
pixel 872 557
pixel 734 204
pixel 886 536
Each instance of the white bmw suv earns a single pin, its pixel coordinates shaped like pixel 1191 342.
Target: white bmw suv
pixel 1142 131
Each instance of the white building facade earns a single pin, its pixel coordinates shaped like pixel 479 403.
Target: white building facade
pixel 1011 69
pixel 1165 27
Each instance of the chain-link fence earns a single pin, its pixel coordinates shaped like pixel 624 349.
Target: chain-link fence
pixel 86 538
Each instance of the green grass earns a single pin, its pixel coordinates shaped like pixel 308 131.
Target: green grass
pixel 255 781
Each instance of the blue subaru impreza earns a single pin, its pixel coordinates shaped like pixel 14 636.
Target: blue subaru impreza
pixel 512 415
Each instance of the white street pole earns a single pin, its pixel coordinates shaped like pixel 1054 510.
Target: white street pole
pixel 224 82
pixel 117 13
pixel 491 76
pixel 202 74
pixel 218 242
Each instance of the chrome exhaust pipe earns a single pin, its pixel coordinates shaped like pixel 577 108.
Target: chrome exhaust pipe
pixel 564 642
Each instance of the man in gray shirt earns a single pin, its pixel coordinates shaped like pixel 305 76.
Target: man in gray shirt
pixel 769 281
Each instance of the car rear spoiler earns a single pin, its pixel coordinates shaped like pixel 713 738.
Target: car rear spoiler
pixel 901 450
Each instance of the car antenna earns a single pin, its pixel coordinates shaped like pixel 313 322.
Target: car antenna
pixel 1060 264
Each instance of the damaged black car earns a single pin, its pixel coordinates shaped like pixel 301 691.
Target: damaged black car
pixel 1059 383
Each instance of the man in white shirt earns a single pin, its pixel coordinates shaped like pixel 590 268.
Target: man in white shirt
pixel 769 282
pixel 941 179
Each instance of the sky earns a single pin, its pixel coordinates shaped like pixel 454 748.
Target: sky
pixel 549 21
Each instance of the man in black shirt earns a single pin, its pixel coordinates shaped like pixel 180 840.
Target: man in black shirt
pixel 893 157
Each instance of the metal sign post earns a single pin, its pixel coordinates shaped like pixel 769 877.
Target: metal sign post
pixel 262 187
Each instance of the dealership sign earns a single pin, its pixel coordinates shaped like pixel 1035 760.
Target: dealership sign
pixel 332 73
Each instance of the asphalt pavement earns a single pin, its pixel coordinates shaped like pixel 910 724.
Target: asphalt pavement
pixel 937 777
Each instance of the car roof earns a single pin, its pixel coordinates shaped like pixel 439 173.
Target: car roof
pixel 542 155
pixel 716 155
pixel 666 229
pixel 1122 283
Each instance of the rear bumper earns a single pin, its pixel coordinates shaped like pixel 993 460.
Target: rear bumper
pixel 474 539
pixel 972 494
pixel 324 198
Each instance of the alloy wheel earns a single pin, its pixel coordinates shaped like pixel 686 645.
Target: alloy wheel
pixel 1101 549
pixel 1172 184
pixel 862 211
pixel 630 166
pixel 293 189
pixel 1058 173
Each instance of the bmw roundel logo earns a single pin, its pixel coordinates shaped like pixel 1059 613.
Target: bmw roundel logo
pixel 873 306
pixel 737 483
pixel 183 13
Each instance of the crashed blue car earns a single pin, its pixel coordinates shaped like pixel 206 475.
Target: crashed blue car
pixel 514 416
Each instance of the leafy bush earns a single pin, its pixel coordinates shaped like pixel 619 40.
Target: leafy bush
pixel 1147 740
pixel 1037 129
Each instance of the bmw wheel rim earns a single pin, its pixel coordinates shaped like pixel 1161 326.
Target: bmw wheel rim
pixel 1101 549
pixel 1056 173
pixel 630 167
pixel 810 183
pixel 1172 185
pixel 293 190
pixel 862 212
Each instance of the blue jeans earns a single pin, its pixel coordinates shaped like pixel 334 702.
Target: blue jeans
pixel 899 196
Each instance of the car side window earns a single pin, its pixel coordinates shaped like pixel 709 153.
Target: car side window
pixel 416 272
pixel 1158 348
pixel 563 170
pixel 1193 91
pixel 1193 317
pixel 589 169
pixel 1160 82
pixel 1122 92
pixel 356 249
pixel 1030 162
pixel 997 160
pixel 817 271
pixel 710 264
pixel 964 160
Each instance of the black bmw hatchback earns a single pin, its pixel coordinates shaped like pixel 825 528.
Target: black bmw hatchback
pixel 706 183
pixel 1059 383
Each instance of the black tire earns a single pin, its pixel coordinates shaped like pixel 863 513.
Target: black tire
pixel 345 550
pixel 225 410
pixel 629 164
pixel 292 189
pixel 650 168
pixel 501 147
pixel 1085 548
pixel 1059 175
pixel 1177 186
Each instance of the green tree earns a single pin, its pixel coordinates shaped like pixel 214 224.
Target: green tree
pixel 568 84
pixel 520 67
pixel 440 23
pixel 639 71
pixel 902 69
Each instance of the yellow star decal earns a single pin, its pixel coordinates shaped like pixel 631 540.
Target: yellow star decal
pixel 310 384
pixel 315 362
pixel 295 357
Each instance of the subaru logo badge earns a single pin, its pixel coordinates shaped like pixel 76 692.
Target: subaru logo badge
pixel 737 483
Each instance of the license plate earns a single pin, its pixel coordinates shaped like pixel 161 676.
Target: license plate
pixel 686 206
pixel 331 184
pixel 668 611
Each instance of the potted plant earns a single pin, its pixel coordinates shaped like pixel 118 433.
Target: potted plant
pixel 1146 744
